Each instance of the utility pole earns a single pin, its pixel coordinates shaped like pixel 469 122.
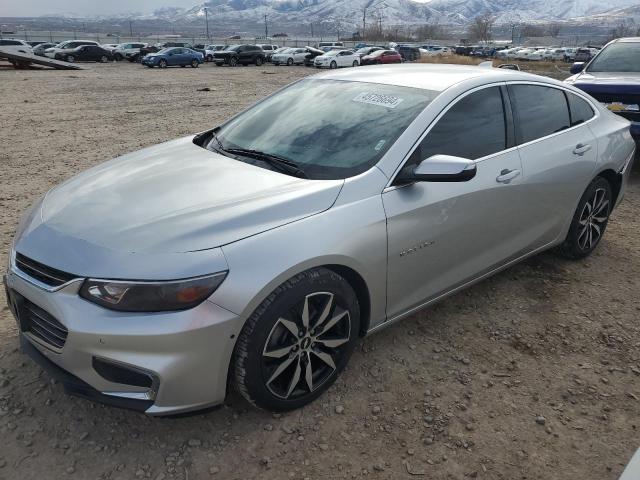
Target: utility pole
pixel 131 29
pixel 266 28
pixel 364 22
pixel 206 16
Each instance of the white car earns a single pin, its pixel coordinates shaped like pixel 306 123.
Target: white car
pixel 337 58
pixel 569 54
pixel 125 50
pixel 556 54
pixel 15 45
pixel 436 51
pixel 290 56
pixel 531 55
pixel 68 45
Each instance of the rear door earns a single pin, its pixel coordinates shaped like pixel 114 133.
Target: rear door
pixel 443 234
pixel 558 154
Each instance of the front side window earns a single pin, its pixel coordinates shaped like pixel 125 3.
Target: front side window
pixel 473 128
pixel 541 111
pixel 352 126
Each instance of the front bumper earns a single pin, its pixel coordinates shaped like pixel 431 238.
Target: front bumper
pixel 187 353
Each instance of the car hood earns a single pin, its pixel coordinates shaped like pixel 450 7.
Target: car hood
pixel 605 81
pixel 171 198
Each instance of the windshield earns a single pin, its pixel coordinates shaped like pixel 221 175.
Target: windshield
pixel 617 57
pixel 352 126
pixel 233 47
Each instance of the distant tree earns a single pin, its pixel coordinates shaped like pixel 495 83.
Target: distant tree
pixel 623 29
pixel 553 29
pixel 430 31
pixel 481 26
pixel 529 30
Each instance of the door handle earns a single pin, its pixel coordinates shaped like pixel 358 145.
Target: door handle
pixel 507 175
pixel 581 149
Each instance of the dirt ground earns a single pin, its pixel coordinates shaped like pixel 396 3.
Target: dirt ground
pixel 532 374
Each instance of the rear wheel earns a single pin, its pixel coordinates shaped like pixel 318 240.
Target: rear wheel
pixel 589 221
pixel 297 341
pixel 194 63
pixel 258 61
pixel 118 57
pixel 104 59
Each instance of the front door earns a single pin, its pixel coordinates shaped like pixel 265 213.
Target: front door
pixel 442 235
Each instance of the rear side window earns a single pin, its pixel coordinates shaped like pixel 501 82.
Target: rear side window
pixel 579 109
pixel 474 127
pixel 10 42
pixel 541 111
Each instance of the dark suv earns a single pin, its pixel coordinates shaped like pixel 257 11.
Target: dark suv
pixel 613 77
pixel 239 54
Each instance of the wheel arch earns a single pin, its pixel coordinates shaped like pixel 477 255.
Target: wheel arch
pixel 361 289
pixel 615 180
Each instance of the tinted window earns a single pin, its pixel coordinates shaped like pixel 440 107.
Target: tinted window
pixel 474 127
pixel 580 110
pixel 541 111
pixel 10 42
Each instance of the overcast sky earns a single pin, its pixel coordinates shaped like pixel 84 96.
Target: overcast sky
pixel 31 8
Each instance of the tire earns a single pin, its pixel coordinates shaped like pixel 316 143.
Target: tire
pixel 289 62
pixel 71 58
pixel 333 65
pixel 590 220
pixel 162 63
pixel 209 58
pixel 259 61
pixel 233 61
pixel 118 57
pixel 194 63
pixel 355 63
pixel 104 59
pixel 272 383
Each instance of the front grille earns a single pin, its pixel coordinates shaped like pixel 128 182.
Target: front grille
pixel 47 275
pixel 42 325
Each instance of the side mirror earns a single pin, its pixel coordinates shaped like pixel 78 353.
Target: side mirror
pixel 440 168
pixel 577 67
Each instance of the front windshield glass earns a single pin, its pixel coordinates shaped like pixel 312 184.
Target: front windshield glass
pixel 617 57
pixel 331 129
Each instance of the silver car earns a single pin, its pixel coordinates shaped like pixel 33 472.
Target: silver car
pixel 260 251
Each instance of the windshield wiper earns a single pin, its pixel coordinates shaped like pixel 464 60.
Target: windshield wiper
pixel 283 164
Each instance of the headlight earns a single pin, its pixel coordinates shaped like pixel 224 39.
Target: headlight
pixel 132 296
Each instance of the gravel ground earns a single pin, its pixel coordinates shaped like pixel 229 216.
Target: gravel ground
pixel 532 374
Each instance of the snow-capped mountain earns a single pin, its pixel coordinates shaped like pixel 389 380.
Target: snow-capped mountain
pixel 349 13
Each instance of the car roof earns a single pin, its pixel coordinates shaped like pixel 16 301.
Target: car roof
pixel 435 77
pixel 628 40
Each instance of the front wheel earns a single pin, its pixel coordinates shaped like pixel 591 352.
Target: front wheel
pixel 297 341
pixel 233 61
pixel 355 63
pixel 71 58
pixel 162 63
pixel 333 64
pixel 589 221
pixel 290 62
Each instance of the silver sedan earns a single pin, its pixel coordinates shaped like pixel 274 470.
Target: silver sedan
pixel 261 250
